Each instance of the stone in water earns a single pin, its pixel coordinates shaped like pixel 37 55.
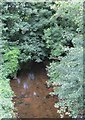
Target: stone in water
pixel 34 93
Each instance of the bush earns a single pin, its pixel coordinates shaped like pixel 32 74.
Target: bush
pixel 24 24
pixel 11 64
pixel 6 94
pixel 64 25
pixel 67 79
pixel 67 76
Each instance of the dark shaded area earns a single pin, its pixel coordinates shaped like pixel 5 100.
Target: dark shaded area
pixel 32 98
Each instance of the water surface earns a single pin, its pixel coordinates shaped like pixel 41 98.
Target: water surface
pixel 32 98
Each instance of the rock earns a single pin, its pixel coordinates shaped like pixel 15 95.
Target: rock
pixel 34 93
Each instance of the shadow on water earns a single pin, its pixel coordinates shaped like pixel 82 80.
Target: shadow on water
pixel 32 98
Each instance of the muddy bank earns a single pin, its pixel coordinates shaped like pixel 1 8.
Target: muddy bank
pixel 32 98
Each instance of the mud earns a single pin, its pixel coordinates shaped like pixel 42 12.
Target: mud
pixel 32 99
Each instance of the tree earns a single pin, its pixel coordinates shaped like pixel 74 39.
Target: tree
pixel 66 77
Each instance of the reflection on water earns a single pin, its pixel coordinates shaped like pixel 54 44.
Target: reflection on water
pixel 31 93
pixel 31 76
pixel 18 80
pixel 25 85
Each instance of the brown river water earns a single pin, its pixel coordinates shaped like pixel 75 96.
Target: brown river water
pixel 32 99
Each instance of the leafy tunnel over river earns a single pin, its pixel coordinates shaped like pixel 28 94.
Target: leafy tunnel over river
pixel 36 31
pixel 32 99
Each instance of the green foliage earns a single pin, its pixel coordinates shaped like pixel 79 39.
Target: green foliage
pixel 24 24
pixel 53 37
pixel 67 76
pixel 11 64
pixel 8 66
pixel 33 31
pixel 64 24
pixel 6 94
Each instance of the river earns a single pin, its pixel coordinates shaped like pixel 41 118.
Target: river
pixel 32 99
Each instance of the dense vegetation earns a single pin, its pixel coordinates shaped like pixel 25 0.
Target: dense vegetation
pixel 35 31
pixel 67 76
pixel 6 94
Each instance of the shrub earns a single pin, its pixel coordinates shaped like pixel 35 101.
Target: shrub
pixel 64 25
pixel 6 93
pixel 24 24
pixel 67 76
pixel 11 64
pixel 67 79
